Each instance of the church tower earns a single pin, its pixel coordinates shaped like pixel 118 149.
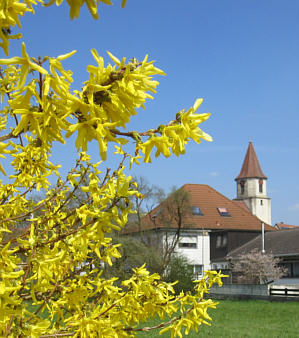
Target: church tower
pixel 251 187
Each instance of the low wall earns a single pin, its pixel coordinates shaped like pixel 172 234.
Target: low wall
pixel 241 290
pixel 248 291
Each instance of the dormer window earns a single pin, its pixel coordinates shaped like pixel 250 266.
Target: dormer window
pixel 196 211
pixel 223 212
pixel 260 186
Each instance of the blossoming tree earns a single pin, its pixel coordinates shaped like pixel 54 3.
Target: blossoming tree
pixel 49 286
pixel 257 267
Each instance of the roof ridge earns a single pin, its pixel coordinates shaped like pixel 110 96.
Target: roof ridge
pixel 195 184
pixel 219 193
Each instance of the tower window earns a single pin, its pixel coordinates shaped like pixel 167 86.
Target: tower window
pixel 261 186
pixel 261 202
pixel 242 185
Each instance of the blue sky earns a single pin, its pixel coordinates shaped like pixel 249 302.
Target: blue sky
pixel 242 57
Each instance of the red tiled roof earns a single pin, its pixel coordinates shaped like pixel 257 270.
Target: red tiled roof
pixel 242 204
pixel 251 166
pixel 282 225
pixel 209 200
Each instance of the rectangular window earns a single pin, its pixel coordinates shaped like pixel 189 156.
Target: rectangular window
pixel 223 212
pixel 296 269
pixel 218 241
pixel 197 270
pixel 224 241
pixel 196 211
pixel 221 241
pixel 187 245
pixel 242 184
pixel 261 186
pixel 219 266
pixel 189 242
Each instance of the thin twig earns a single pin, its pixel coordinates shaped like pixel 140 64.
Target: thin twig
pixel 58 335
pixel 50 294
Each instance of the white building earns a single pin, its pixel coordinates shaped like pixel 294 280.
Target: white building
pixel 216 225
pixel 195 245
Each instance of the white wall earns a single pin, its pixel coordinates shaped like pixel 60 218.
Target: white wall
pixel 196 256
pixel 251 188
pixel 257 202
pixel 262 211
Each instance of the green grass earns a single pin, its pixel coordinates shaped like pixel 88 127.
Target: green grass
pixel 238 319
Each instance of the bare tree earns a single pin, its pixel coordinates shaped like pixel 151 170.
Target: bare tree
pixel 157 211
pixel 257 268
pixel 172 215
pixel 152 195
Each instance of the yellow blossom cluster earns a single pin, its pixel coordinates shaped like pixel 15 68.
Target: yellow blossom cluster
pixel 54 249
pixel 105 104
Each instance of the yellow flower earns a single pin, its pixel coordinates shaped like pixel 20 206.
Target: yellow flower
pixel 26 66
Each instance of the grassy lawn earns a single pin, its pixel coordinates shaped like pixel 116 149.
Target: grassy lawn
pixel 247 319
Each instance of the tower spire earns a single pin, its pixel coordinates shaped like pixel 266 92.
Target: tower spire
pixel 251 167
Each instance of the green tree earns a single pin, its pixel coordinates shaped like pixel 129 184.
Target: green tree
pixel 53 263
pixel 134 253
pixel 179 270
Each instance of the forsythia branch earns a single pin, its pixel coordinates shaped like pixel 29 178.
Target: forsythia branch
pixel 55 248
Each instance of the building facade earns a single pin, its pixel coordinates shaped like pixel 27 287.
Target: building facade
pixel 216 225
pixel 282 244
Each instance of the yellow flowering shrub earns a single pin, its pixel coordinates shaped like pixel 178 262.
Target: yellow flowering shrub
pixel 50 285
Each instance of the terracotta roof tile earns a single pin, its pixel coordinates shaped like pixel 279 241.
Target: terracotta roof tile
pixel 242 204
pixel 251 166
pixel 283 226
pixel 208 199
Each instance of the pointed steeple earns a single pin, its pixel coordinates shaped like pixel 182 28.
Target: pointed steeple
pixel 251 167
